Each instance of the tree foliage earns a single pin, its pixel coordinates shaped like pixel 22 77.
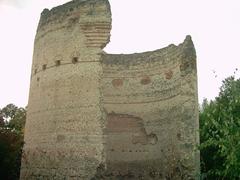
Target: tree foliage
pixel 12 121
pixel 220 133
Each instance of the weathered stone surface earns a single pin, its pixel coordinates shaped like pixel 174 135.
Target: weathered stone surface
pixel 64 130
pixel 152 120
pixel 93 115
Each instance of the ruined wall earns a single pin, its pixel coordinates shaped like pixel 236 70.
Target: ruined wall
pixel 151 102
pixel 93 115
pixel 65 120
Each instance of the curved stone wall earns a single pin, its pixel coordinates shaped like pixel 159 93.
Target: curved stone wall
pixel 65 94
pixel 93 115
pixel 144 97
pixel 141 78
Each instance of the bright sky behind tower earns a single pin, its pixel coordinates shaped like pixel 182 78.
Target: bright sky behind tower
pixel 138 25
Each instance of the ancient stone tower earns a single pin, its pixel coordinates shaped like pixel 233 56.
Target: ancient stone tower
pixel 93 115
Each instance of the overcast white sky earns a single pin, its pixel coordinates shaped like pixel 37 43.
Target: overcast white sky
pixel 138 25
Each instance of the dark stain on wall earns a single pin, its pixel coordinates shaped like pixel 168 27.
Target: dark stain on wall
pixel 128 127
pixel 117 82
pixel 145 80
pixel 168 74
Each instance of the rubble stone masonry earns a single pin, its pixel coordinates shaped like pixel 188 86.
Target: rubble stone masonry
pixel 93 115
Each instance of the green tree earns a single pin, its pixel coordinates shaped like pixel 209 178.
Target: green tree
pixel 220 133
pixel 12 121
